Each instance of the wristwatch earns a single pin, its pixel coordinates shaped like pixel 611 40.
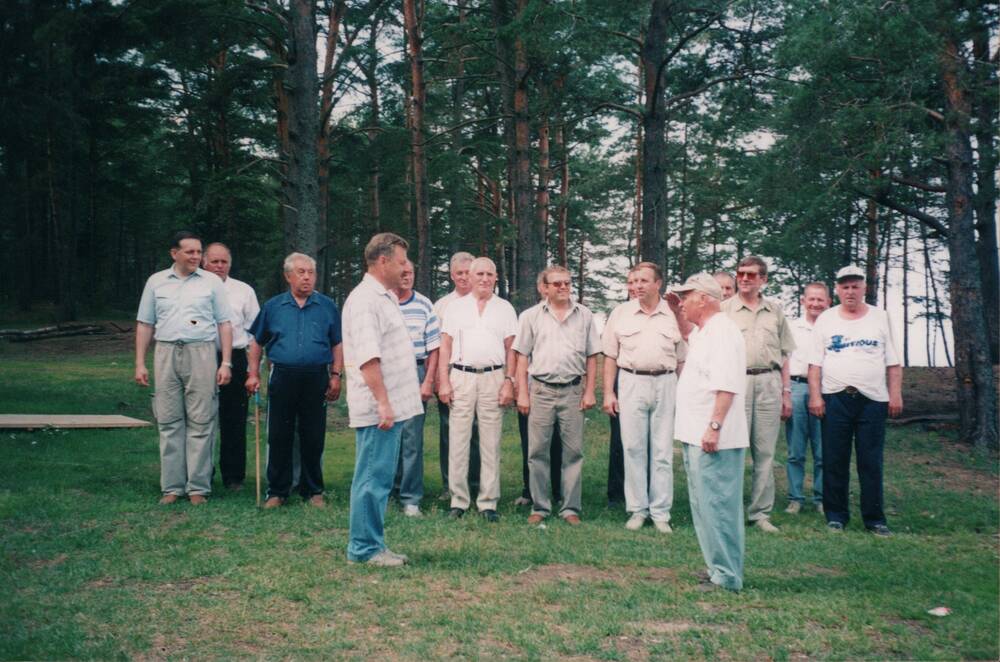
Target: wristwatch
pixel 227 364
pixel 715 425
pixel 509 377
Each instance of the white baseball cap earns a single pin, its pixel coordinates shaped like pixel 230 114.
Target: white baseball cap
pixel 850 271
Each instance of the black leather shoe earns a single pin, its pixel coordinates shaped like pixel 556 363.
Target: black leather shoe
pixel 490 516
pixel 455 513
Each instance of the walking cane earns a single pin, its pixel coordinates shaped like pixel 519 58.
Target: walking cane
pixel 256 425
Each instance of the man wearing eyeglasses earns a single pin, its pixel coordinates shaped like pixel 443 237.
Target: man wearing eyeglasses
pixel 557 343
pixel 769 342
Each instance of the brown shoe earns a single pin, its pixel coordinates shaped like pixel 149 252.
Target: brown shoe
pixel 535 519
pixel 317 501
pixel 572 520
pixel 168 499
pixel 198 499
pixel 274 502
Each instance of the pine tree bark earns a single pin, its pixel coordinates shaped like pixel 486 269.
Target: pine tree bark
pixel 563 228
pixel 976 389
pixel 418 102
pixel 301 211
pixel 529 235
pixel 652 245
pixel 542 193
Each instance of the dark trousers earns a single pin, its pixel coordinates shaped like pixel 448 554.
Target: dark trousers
pixel 853 420
pixel 555 459
pixel 616 459
pixel 443 413
pixel 232 422
pixel 296 402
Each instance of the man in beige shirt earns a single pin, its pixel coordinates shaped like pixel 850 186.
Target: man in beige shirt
pixel 643 347
pixel 769 343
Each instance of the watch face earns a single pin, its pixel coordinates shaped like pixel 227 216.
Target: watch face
pixel 714 425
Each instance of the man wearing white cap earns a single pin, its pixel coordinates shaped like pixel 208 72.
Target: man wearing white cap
pixel 712 425
pixel 855 379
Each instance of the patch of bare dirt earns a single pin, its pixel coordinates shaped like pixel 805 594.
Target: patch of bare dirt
pixel 118 336
pixel 38 564
pixel 929 391
pixel 955 478
pixel 564 572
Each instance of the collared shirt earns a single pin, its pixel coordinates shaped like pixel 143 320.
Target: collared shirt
pixel 478 339
pixel 716 361
pixel 643 341
pixel 422 324
pixel 243 303
pixel 854 352
pixel 184 309
pixel 441 305
pixel 295 336
pixel 374 328
pixel 558 350
pixel 798 361
pixel 765 330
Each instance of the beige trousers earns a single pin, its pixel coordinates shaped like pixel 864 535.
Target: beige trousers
pixel 185 406
pixel 475 395
pixel 763 408
pixel 549 404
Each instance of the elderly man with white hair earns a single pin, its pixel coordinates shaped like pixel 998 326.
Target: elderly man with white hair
pixel 476 379
pixel 300 330
pixel 711 423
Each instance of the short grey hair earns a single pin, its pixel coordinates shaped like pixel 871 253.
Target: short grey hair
pixel 297 257
pixel 383 244
pixel 458 257
pixel 484 260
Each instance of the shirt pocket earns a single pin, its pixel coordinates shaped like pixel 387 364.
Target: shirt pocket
pixel 628 339
pixel 165 305
pixel 318 333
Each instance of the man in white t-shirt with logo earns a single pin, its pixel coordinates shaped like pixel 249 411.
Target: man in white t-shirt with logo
pixel 711 423
pixel 476 380
pixel 802 429
pixel 855 380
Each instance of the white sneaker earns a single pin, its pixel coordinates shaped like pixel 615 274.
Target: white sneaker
pixel 662 527
pixel 404 557
pixel 819 507
pixel 384 559
pixel 412 510
pixel 766 526
pixel 635 522
pixel 793 508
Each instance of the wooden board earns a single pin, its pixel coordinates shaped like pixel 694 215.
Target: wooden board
pixel 39 421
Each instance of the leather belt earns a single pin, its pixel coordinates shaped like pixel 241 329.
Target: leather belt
pixel 852 392
pixel 421 361
pixel 647 373
pixel 478 371
pixel 576 380
pixel 760 371
pixel 801 380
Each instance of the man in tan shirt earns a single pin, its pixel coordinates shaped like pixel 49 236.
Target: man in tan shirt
pixel 769 343
pixel 643 347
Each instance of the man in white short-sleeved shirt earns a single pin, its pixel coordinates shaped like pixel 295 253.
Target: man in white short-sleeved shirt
pixel 382 393
pixel 476 380
pixel 855 381
pixel 233 397
pixel 711 423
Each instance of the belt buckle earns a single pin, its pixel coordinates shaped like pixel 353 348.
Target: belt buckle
pixel 851 391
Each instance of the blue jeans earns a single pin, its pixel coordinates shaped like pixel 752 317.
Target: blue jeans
pixel 853 420
pixel 374 469
pixel 409 481
pixel 802 430
pixel 715 490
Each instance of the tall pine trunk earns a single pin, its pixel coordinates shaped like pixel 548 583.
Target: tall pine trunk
pixel 977 396
pixel 418 102
pixel 652 246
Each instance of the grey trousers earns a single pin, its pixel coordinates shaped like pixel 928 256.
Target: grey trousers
pixel 185 403
pixel 409 481
pixel 549 403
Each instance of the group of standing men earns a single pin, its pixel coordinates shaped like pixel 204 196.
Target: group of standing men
pixel 716 373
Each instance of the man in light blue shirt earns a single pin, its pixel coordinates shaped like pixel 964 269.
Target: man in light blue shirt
pixel 184 308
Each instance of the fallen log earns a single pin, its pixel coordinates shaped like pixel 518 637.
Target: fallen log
pixel 14 333
pixel 39 334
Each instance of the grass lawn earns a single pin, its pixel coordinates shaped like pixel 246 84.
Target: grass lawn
pixel 95 569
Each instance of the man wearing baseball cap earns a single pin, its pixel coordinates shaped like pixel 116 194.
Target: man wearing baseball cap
pixel 711 423
pixel 855 380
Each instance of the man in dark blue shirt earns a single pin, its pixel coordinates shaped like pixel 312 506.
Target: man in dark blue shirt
pixel 300 330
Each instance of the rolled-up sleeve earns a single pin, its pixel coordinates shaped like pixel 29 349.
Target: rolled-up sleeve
pixel 364 327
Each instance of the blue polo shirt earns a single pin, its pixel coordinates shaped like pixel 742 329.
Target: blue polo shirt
pixel 298 337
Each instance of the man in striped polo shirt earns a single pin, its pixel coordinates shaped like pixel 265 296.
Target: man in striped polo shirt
pixel 422 323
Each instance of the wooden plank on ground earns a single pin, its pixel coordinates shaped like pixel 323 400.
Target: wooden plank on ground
pixel 40 421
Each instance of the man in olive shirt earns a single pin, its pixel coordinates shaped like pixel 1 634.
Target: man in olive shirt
pixel 769 343
pixel 644 349
pixel 557 343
